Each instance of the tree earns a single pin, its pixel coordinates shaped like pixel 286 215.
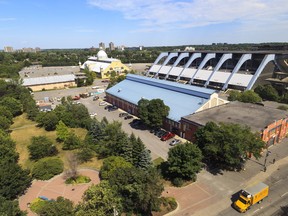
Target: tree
pixel 61 206
pixel 267 92
pixel 184 161
pixel 111 164
pixel 140 190
pixel 250 97
pixel 48 120
pixel 7 148
pixel 100 200
pixel 46 168
pixel 13 105
pixel 6 113
pixel 234 95
pixel 226 145
pixel 71 142
pixel 246 96
pixel 4 123
pixel 10 208
pixel 152 112
pixel 62 131
pixel 13 180
pixel 41 147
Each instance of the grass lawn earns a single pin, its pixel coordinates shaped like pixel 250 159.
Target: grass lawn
pixel 22 132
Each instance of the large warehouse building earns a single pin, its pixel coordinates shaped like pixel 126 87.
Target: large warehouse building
pixel 271 123
pixel 192 107
pixel 182 99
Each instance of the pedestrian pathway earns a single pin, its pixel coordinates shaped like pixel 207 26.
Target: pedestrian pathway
pixel 212 193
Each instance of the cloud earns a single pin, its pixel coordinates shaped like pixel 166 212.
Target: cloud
pixel 171 14
pixel 7 19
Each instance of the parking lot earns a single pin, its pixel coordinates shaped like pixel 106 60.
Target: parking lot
pixel 157 147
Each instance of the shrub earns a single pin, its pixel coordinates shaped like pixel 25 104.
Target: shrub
pixel 178 182
pixel 283 107
pixel 79 180
pixel 46 168
pixel 41 147
pixel 37 205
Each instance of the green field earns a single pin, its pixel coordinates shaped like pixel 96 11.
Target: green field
pixel 22 132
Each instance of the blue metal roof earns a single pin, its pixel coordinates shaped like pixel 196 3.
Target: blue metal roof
pixel 182 99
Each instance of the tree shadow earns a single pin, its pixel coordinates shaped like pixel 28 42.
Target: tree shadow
pixel 213 169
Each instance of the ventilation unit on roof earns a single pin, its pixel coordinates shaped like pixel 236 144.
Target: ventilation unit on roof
pixel 119 90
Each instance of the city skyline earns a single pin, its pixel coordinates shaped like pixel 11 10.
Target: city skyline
pixel 86 23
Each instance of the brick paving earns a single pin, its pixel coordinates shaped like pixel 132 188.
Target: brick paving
pixel 56 187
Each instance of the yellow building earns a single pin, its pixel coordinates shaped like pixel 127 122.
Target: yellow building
pixel 103 66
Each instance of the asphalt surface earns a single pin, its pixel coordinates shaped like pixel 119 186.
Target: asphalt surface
pixel 157 147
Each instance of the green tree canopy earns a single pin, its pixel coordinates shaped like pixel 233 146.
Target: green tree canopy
pixel 62 131
pixel 100 200
pixel 140 189
pixel 7 148
pixel 61 206
pixel 13 180
pixel 184 161
pixel 71 142
pixel 248 96
pixel 10 208
pixel 267 92
pixel 6 113
pixel 226 145
pixel 41 147
pixel 46 168
pixel 13 105
pixel 152 112
pixel 48 120
pixel 111 164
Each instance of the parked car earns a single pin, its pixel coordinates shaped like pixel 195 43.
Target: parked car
pixel 167 136
pixel 137 123
pixel 95 98
pixel 174 142
pixel 76 97
pixel 123 114
pixel 128 117
pixel 160 133
pixel 103 103
pixel 112 108
pixel 107 107
pixel 93 115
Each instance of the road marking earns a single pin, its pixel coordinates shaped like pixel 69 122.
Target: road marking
pixel 256 210
pixel 284 194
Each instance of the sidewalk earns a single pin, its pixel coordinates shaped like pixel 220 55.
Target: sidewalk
pixel 211 193
pixel 254 172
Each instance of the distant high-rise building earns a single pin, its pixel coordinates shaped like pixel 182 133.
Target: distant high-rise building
pixel 8 49
pixel 102 45
pixel 140 48
pixel 111 46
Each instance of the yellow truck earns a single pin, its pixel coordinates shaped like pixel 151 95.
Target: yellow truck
pixel 250 196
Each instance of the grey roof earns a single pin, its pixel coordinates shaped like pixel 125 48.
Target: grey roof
pixel 255 116
pixel 48 80
pixel 182 99
pixel 253 190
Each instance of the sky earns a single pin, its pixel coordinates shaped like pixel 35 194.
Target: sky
pixel 86 23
